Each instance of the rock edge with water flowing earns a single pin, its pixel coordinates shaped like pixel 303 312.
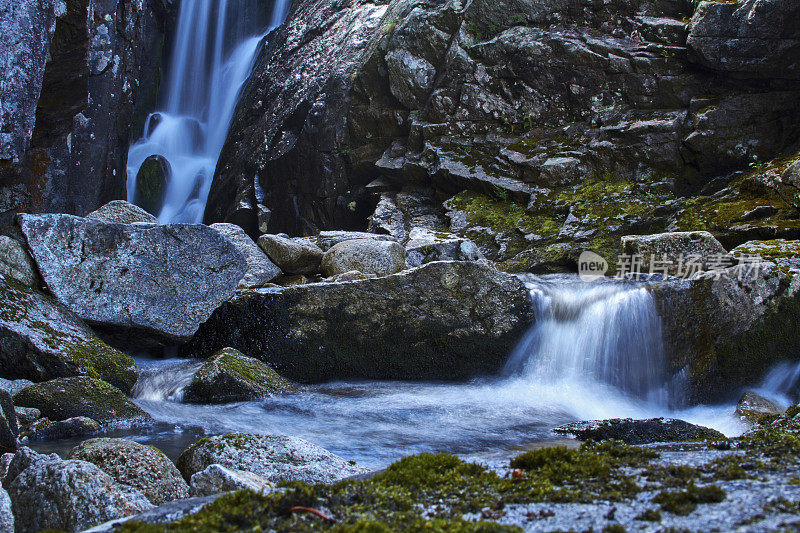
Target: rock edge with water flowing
pixel 445 321
pixel 127 278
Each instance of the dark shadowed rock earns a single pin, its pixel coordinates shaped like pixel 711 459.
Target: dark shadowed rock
pixel 328 239
pixel 231 376
pixel 65 398
pixel 71 428
pixel 632 431
pixel 260 270
pixel 9 429
pixel 128 277
pixel 753 408
pixel 41 339
pixel 446 320
pixel 368 256
pixel 273 457
pixel 71 495
pixel 122 212
pixel 142 467
pixel 151 184
pixel 293 256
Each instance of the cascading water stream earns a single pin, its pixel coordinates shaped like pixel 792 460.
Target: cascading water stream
pixel 215 48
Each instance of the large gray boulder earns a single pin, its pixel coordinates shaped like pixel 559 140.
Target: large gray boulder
pixel 328 239
pixel 273 457
pixel 133 277
pixel 142 467
pixel 72 495
pixel 122 212
pixel 65 398
pixel 260 270
pixel 724 328
pixel 368 256
pixel 293 256
pixel 676 254
pixel 41 339
pixel 756 38
pixel 16 262
pixel 445 321
pixel 231 376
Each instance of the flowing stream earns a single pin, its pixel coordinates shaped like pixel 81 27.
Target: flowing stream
pixel 595 352
pixel 215 48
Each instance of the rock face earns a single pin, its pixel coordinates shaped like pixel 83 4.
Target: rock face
pixel 79 72
pixel 151 184
pixel 41 339
pixel 122 212
pixel 676 254
pixel 230 376
pixel 723 328
pixel 260 270
pixel 554 127
pixel 65 398
pixel 632 431
pixel 293 256
pixel 132 277
pixel 752 407
pixel 273 457
pixel 48 493
pixel 216 479
pixel 444 321
pixel 142 467
pixel 368 256
pixel 755 38
pixel 16 262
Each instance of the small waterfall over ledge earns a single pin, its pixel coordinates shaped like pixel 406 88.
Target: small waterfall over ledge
pixel 215 48
pixel 602 334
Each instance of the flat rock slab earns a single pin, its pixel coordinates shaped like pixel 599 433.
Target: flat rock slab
pixel 443 321
pixel 632 431
pixel 161 280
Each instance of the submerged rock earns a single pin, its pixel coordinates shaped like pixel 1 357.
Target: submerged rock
pixel 445 321
pixel 272 457
pixel 44 340
pixel 231 376
pixel 16 262
pixel 132 277
pixel 46 429
pixel 216 479
pixel 293 256
pixel 260 270
pixel 632 431
pixel 368 256
pixel 122 212
pixel 151 184
pixel 142 467
pixel 754 408
pixel 65 398
pixel 48 493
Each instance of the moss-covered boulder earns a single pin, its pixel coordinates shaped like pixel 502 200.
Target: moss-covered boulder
pixel 755 408
pixel 151 184
pixel 443 321
pixel 139 466
pixel 64 398
pixel 632 431
pixel 231 376
pixel 71 428
pixel 41 340
pixel 674 251
pixel 273 457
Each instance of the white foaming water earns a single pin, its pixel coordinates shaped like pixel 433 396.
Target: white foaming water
pixel 215 48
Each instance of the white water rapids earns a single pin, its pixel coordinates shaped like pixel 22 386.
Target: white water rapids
pixel 595 352
pixel 215 47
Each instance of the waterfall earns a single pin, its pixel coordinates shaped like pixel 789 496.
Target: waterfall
pixel 595 335
pixel 215 48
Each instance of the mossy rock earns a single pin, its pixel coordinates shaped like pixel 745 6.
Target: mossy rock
pixel 151 184
pixel 231 376
pixel 43 340
pixel 65 398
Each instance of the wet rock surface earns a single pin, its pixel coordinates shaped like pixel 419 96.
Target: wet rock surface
pixel 632 431
pixel 426 323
